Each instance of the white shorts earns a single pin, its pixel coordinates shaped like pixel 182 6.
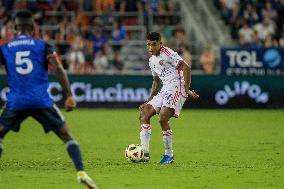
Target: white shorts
pixel 172 95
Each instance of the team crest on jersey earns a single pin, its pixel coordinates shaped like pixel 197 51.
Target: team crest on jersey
pixel 161 62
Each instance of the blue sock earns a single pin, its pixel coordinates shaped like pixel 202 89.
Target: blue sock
pixel 75 154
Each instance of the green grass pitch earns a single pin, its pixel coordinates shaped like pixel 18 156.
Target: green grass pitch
pixel 214 149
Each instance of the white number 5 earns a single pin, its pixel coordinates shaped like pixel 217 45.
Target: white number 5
pixel 24 65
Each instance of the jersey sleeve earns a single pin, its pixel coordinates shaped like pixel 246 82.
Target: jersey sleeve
pixel 152 70
pixel 171 56
pixel 175 59
pixel 154 73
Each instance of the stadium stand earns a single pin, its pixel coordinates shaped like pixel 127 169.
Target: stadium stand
pixel 108 36
pixel 254 23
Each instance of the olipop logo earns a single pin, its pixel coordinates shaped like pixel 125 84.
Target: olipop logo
pixel 272 58
pixel 254 91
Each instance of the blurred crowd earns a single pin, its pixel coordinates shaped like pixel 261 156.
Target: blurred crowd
pixel 254 23
pixel 89 34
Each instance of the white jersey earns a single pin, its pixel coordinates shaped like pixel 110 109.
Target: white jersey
pixel 165 66
pixel 172 94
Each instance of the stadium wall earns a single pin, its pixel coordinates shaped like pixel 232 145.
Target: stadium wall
pixel 106 91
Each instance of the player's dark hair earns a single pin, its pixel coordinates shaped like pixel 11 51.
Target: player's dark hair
pixel 24 21
pixel 154 36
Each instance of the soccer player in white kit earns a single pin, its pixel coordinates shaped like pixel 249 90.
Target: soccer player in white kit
pixel 170 89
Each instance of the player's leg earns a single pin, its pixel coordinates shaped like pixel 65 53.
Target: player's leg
pixel 164 116
pixel 3 132
pixel 145 132
pixel 52 119
pixel 71 145
pixel 10 120
pixel 74 152
pixel 149 110
pixel 173 101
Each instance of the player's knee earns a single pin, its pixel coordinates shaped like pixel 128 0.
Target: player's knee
pixel 163 119
pixel 65 135
pixel 144 115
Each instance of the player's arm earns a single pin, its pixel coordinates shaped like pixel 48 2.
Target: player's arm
pixel 187 78
pixel 61 75
pixel 186 74
pixel 156 86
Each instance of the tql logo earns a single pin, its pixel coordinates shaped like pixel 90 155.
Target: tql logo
pixel 241 88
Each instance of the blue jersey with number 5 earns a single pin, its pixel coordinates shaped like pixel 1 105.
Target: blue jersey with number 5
pixel 25 59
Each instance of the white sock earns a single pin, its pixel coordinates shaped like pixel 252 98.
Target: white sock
pixel 145 134
pixel 168 142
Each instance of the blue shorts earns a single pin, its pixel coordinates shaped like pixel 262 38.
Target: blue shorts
pixel 50 118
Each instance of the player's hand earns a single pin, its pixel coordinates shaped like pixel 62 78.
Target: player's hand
pixel 192 94
pixel 70 103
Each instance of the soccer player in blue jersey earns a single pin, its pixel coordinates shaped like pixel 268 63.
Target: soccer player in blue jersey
pixel 26 61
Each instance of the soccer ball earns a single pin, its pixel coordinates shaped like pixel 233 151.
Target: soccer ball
pixel 134 153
